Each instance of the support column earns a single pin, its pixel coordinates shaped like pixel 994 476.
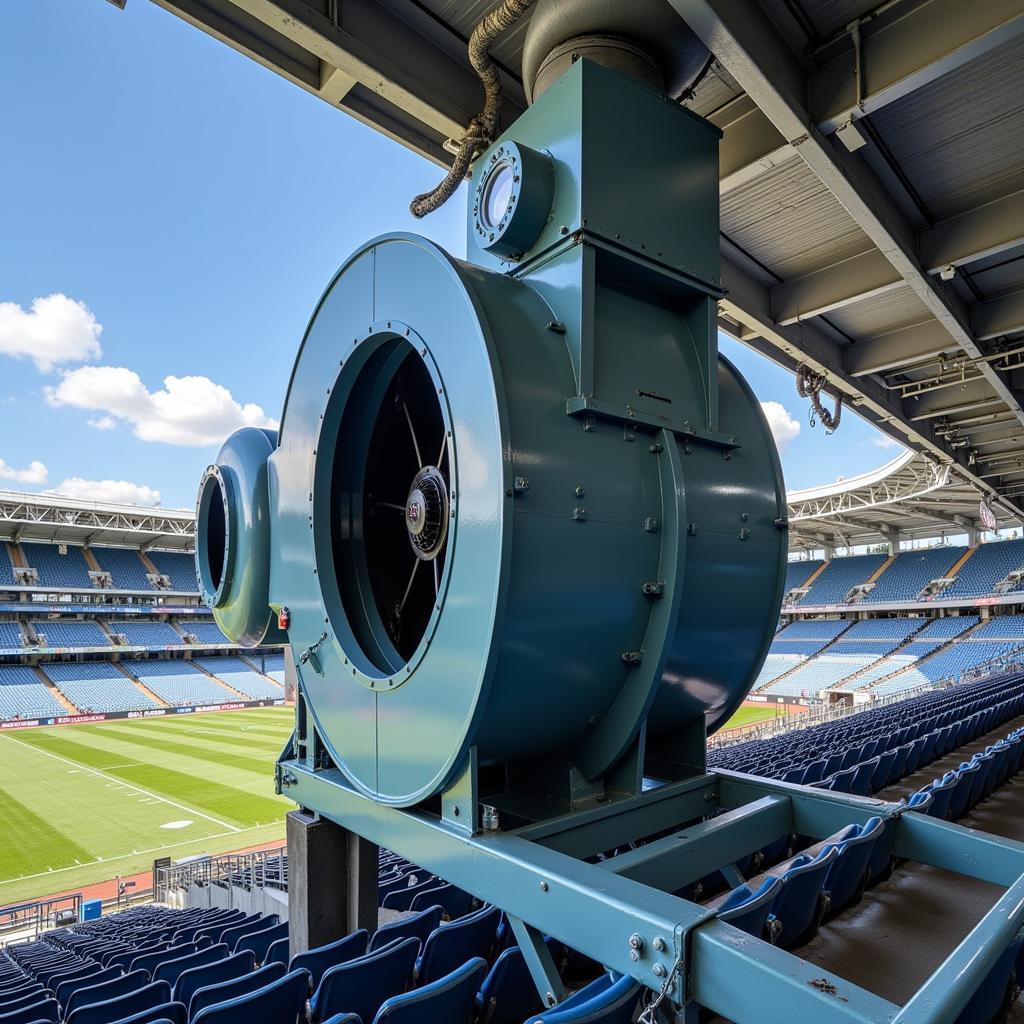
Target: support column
pixel 972 534
pixel 332 882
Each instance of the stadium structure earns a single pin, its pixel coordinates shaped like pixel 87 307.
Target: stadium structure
pixel 100 618
pixel 525 534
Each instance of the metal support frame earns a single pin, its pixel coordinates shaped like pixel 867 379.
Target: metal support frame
pixel 537 874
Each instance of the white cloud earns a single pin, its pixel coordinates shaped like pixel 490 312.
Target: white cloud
pixel 103 423
pixel 884 441
pixel 192 411
pixel 120 492
pixel 34 473
pixel 783 427
pixel 55 330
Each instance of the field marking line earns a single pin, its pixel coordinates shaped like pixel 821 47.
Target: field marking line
pixel 129 785
pixel 125 856
pixel 111 767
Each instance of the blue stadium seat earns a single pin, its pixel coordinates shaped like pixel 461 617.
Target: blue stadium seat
pixel 259 941
pixel 191 981
pixel 508 994
pixel 105 990
pixel 171 970
pixel 111 1011
pixel 456 942
pixel 168 1013
pixel 798 906
pixel 615 1004
pixel 419 926
pixel 282 1001
pixel 448 1000
pixel 361 986
pixel 278 952
pixel 179 567
pixel 748 909
pixel 847 876
pixel 318 960
pixel 236 988
pixel 44 1010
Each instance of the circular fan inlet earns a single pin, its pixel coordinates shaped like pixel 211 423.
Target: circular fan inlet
pixel 393 505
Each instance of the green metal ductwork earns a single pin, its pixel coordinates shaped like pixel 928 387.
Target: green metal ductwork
pixel 519 505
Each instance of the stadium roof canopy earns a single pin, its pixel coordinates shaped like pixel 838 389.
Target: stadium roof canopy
pixel 910 497
pixel 50 517
pixel 872 200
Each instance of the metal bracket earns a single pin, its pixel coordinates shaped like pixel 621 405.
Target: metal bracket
pixel 583 405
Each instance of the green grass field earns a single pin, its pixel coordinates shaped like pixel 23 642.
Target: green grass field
pixel 82 804
pixel 747 715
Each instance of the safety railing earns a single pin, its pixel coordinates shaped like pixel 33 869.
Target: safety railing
pixel 40 915
pixel 259 869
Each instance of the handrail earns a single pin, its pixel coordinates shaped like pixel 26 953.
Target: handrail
pixel 254 870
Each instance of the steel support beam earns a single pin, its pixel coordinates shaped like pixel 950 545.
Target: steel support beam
pixel 991 229
pixel 751 50
pixel 745 313
pixel 910 49
pixel 898 348
pixel 1004 315
pixel 370 63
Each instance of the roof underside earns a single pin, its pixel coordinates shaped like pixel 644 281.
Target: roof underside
pixel 911 497
pixel 42 517
pixel 873 233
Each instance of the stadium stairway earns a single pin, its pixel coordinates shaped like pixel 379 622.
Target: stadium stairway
pixel 90 559
pixel 148 562
pixel 140 686
pixel 55 693
pixel 878 572
pixel 850 681
pixel 232 693
pixel 965 635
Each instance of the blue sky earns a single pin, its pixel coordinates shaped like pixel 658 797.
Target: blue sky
pixel 185 209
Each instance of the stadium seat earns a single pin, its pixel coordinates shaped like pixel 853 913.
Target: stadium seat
pixel 103 991
pixel 401 899
pixel 43 1010
pixel 9 1006
pixel 456 942
pixel 748 909
pixel 171 969
pixel 419 926
pixel 91 974
pixel 508 994
pixel 191 981
pixel 318 960
pixel 278 952
pixel 361 986
pixel 615 1003
pixel 799 904
pixel 449 1000
pixel 149 962
pixel 847 876
pixel 170 1013
pixel 456 902
pixel 259 941
pixel 111 1011
pixel 235 988
pixel 282 1001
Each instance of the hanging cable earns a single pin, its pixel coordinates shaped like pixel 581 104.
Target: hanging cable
pixel 809 385
pixel 480 132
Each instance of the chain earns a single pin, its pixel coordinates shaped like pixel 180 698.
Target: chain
pixel 647 1016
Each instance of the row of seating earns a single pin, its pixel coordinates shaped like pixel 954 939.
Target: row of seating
pixel 69 567
pixel 907 574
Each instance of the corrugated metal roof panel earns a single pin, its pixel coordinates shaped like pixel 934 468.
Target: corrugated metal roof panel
pixel 880 314
pixel 959 139
pixel 789 221
pixel 829 15
pixel 1000 276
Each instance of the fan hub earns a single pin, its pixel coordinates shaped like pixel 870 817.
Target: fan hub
pixel 426 513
